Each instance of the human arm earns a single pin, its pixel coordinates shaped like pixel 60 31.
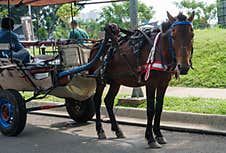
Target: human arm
pixel 16 45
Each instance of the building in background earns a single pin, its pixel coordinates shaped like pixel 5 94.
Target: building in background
pixel 221 12
pixel 26 22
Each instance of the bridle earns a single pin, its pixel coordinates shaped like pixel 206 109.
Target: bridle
pixel 170 40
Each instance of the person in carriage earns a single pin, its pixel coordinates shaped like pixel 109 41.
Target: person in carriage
pixel 77 33
pixel 16 49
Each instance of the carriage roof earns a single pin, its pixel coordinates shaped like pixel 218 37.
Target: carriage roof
pixel 49 2
pixel 37 2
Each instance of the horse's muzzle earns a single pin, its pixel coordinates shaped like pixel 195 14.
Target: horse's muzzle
pixel 183 69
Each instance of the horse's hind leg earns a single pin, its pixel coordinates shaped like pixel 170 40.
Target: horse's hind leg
pixel 109 102
pixel 97 99
pixel 159 104
pixel 150 92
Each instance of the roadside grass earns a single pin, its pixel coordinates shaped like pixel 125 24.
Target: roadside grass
pixel 191 104
pixel 209 60
pixel 27 95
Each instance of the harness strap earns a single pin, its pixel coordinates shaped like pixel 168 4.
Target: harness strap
pixel 181 23
pixel 153 49
pixel 172 53
pixel 158 66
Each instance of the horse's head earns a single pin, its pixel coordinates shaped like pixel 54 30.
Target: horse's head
pixel 180 36
pixel 111 31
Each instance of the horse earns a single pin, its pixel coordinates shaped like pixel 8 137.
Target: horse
pixel 151 64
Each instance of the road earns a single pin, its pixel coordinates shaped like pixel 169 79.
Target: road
pixel 61 135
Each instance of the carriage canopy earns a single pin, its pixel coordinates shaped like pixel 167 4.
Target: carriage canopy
pixel 49 2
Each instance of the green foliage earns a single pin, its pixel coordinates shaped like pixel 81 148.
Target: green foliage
pixel 209 60
pixel 42 33
pixel 16 12
pixel 204 12
pixel 3 11
pixel 61 32
pixel 46 19
pixel 64 13
pixel 119 13
pixel 92 27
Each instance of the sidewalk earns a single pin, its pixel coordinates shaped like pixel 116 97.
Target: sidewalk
pixel 184 92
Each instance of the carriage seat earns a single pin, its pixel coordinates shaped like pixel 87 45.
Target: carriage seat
pixel 73 55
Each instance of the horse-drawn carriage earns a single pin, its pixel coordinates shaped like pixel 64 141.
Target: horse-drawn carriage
pixel 62 73
pixel 136 58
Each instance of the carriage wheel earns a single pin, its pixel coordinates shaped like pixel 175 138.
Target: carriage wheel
pixel 13 114
pixel 80 111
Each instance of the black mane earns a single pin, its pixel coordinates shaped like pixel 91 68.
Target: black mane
pixel 166 25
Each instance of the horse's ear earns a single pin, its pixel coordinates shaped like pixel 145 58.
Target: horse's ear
pixel 191 17
pixel 170 17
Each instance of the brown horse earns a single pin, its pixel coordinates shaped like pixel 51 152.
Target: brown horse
pixel 134 66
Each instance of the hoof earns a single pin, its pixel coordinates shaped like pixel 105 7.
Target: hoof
pixel 161 140
pixel 119 134
pixel 101 135
pixel 154 145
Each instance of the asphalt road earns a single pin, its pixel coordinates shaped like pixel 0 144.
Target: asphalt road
pixel 61 135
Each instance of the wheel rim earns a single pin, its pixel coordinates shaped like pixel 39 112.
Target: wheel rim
pixel 6 114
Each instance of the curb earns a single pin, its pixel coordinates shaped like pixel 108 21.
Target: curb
pixel 175 121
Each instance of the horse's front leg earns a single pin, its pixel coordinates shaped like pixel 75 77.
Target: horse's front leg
pixel 109 102
pixel 97 98
pixel 159 105
pixel 150 92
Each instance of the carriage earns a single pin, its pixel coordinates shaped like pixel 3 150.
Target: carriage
pixel 61 73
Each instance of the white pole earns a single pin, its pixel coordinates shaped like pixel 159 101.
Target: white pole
pixel 29 10
pixel 133 14
pixel 133 5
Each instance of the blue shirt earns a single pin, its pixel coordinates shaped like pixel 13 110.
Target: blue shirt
pixel 10 37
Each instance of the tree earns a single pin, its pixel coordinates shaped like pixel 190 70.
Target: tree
pixel 65 13
pixel 46 20
pixel 16 12
pixel 119 14
pixel 3 11
pixel 92 27
pixel 204 12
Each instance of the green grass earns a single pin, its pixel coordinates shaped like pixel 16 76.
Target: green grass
pixel 192 104
pixel 209 60
pixel 27 95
